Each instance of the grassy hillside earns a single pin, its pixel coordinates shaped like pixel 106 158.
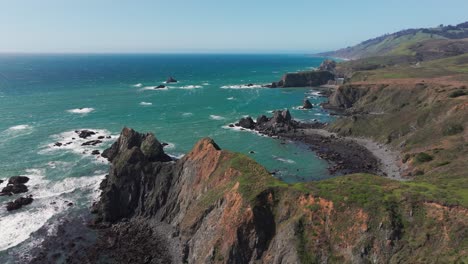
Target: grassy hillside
pixel 398 43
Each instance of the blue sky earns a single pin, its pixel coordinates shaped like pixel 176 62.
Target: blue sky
pixel 211 25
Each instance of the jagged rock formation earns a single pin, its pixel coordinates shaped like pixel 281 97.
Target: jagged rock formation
pixel 306 104
pixel 225 208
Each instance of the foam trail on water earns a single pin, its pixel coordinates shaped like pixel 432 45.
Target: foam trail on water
pixel 85 110
pixel 216 117
pixel 241 86
pixel 146 103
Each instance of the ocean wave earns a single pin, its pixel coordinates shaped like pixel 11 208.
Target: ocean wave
pixel 206 83
pixel 189 87
pixel 216 117
pixel 15 131
pixel 241 86
pixel 187 114
pixel 85 110
pixel 138 85
pixel 153 88
pixel 231 98
pixel 146 103
pixel 50 199
pixel 19 127
pixel 169 146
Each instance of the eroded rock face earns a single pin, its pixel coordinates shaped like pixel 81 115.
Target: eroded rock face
pixel 142 183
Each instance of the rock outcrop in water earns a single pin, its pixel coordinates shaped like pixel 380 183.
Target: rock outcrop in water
pixel 171 80
pixel 307 105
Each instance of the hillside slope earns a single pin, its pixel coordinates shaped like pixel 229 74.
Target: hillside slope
pixel 225 208
pixel 392 44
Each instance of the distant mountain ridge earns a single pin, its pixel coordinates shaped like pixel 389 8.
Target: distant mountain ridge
pixel 397 43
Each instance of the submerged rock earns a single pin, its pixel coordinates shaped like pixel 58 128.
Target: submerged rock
pixel 160 86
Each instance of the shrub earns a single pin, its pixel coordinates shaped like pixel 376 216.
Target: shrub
pixel 457 93
pixel 423 157
pixel 453 129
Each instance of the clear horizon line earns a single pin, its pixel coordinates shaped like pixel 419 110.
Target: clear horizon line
pixel 156 52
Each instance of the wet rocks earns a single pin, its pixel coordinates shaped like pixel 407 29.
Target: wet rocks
pixel 18 203
pixel 306 104
pixel 18 180
pixel 95 152
pixel 171 80
pixel 160 86
pixel 58 144
pixel 92 143
pixel 85 133
pixel 247 122
pixel 14 189
pixel 15 186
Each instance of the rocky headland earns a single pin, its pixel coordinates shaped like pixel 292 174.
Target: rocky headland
pixel 216 206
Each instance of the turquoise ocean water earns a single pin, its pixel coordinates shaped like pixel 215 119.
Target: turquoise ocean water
pixel 45 98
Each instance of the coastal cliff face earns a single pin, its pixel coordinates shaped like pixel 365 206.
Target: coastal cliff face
pixel 306 79
pixel 223 207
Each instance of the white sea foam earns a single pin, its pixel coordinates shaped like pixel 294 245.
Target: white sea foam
pixel 19 127
pixel 206 83
pixel 216 117
pixel 169 146
pixel 19 225
pixel 138 85
pixel 289 161
pixel 230 98
pixel 153 88
pixel 85 110
pixel 241 129
pixel 146 103
pixel 241 86
pixel 187 114
pixel 190 87
pixel 15 131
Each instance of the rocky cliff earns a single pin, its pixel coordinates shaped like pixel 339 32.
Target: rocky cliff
pixel 303 79
pixel 223 207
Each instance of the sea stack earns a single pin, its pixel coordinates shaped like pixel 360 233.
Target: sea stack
pixel 306 104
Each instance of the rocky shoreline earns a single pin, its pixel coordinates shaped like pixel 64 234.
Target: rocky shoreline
pixel 344 156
